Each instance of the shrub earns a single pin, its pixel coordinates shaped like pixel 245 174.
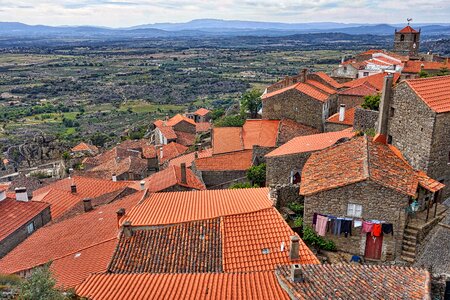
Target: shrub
pixel 371 102
pixel 242 185
pixel 257 174
pixel 230 121
pixel 298 222
pixel 296 207
pixel 311 238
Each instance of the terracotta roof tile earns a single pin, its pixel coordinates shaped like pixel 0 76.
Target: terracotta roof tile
pixel 202 127
pixel 415 66
pixel 233 161
pixel 434 91
pixel 70 270
pixel 171 151
pixel 408 29
pixel 185 138
pixel 357 160
pixel 349 117
pixel 329 80
pixel 177 207
pixel 167 132
pixel 118 166
pixel 227 139
pixel 280 91
pixel 429 183
pixel 171 177
pixel 189 158
pixel 253 242
pixel 290 129
pixel 311 143
pixel 362 90
pixel 377 80
pixel 260 132
pixel 84 147
pixel 321 87
pixel 359 282
pixel 191 247
pixel 177 119
pixel 15 214
pixel 68 236
pixel 202 111
pixel 311 91
pixel 200 286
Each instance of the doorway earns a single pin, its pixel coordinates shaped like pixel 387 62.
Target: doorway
pixel 373 246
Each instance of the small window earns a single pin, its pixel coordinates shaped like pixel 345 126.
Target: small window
pixel 30 228
pixel 345 69
pixel 391 113
pixel 389 139
pixel 365 74
pixel 354 210
pixel 402 37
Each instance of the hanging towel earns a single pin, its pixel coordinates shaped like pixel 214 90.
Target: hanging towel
pixel 321 226
pixel 337 226
pixel 347 227
pixel 376 231
pixel 357 223
pixel 367 227
pixel 315 218
pixel 387 228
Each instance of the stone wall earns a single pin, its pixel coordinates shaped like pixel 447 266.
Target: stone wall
pixel 332 127
pixel 378 202
pixel 278 168
pixel 406 47
pixel 365 119
pixel 258 156
pixel 222 179
pixel 18 236
pixel 185 126
pixel 350 100
pixel 285 194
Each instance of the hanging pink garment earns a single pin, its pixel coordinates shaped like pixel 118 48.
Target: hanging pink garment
pixel 321 225
pixel 367 227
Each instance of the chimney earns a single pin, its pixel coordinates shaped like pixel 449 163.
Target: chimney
pixel 87 204
pixel 294 248
pixel 161 153
pixel 120 213
pixel 2 195
pixel 385 104
pixel 114 177
pixel 73 188
pixel 342 113
pixel 127 230
pixel 142 185
pixel 198 146
pixel 21 194
pixel 183 173
pixel 196 154
pixel 304 74
pixel 296 273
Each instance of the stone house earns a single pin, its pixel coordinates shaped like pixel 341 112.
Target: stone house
pixel 354 96
pixel 20 218
pixel 284 164
pixel 342 120
pixel 416 120
pixel 364 180
pixel 414 67
pixel 172 179
pixel 179 129
pixel 84 149
pixel 407 41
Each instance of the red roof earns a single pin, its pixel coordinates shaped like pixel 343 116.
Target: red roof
pixel 167 132
pixel 232 161
pixel 200 286
pixel 202 111
pixel 178 207
pixel 434 91
pixel 177 119
pixel 311 91
pixel 170 151
pixel 227 139
pixel 189 158
pixel 408 29
pixel 377 80
pixel 185 138
pixel 16 214
pixel 349 117
pixel 323 88
pixel 171 177
pixel 68 236
pixel 260 132
pixel 329 80
pixel 361 90
pixel 202 127
pixel 84 147
pixel 311 143
pixel 415 66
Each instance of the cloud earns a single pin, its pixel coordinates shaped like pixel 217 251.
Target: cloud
pixel 120 13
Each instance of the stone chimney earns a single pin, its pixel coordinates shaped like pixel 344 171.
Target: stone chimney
pixel 87 204
pixel 296 273
pixel 127 230
pixel 161 152
pixel 183 173
pixel 142 185
pixel 304 75
pixel 2 195
pixel 385 103
pixel 21 194
pixel 120 213
pixel 114 177
pixel 342 113
pixel 294 248
pixel 73 188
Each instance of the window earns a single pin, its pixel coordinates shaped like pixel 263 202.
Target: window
pixel 389 139
pixel 402 37
pixel 354 210
pixel 295 177
pixel 391 114
pixel 365 74
pixel 30 228
pixel 345 69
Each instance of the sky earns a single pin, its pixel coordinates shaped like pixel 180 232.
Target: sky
pixel 124 13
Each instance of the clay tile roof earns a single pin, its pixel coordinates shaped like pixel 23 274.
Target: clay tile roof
pixel 349 117
pixel 191 247
pixel 362 90
pixel 290 129
pixel 434 91
pixel 16 214
pixel 185 138
pixel 84 147
pixel 202 127
pixel 321 87
pixel 311 91
pixel 177 207
pixel 376 80
pixel 227 139
pixel 118 166
pixel 60 201
pixel 171 150
pixel 309 143
pixel 277 92
pixel 220 286
pixel 260 132
pixel 408 29
pixel 70 270
pixel 429 183
pixel 171 177
pixel 357 160
pixel 202 111
pixel 253 242
pixel 359 282
pixel 177 119
pixel 68 236
pixel 233 161
pixel 415 66
pixel 168 132
pixel 329 80
pixel 372 51
pixel 189 158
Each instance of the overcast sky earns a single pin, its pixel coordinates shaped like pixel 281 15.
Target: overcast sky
pixel 121 13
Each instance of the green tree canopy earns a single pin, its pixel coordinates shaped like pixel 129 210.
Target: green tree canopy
pixel 257 174
pixel 251 102
pixel 40 285
pixel 371 102
pixel 230 121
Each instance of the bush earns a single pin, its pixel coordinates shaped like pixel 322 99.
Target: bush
pixel 371 102
pixel 230 121
pixel 311 238
pixel 298 222
pixel 296 207
pixel 242 185
pixel 40 285
pixel 257 174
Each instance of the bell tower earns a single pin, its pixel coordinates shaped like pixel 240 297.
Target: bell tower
pixel 407 41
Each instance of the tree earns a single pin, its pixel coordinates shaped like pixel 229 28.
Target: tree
pixel 371 102
pixel 230 121
pixel 423 74
pixel 251 102
pixel 40 285
pixel 99 139
pixel 444 72
pixel 257 174
pixel 217 113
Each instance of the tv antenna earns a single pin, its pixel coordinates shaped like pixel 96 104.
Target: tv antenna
pixel 409 20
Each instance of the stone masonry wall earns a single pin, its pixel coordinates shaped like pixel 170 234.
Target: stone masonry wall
pixel 285 194
pixel 411 126
pixel 332 127
pixel 377 202
pixel 365 119
pixel 185 127
pixel 296 106
pixel 222 179
pixel 258 155
pixel 350 100
pixel 278 169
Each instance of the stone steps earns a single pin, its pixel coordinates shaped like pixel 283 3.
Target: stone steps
pixel 409 243
pixel 408 259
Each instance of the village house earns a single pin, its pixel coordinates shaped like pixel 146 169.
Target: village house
pixel 342 120
pixel 170 151
pixel 284 164
pixel 84 149
pixel 201 115
pixel 21 217
pixel 178 129
pixel 343 185
pixel 413 68
pixel 172 179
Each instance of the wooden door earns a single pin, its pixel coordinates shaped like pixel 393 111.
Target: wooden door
pixel 373 246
